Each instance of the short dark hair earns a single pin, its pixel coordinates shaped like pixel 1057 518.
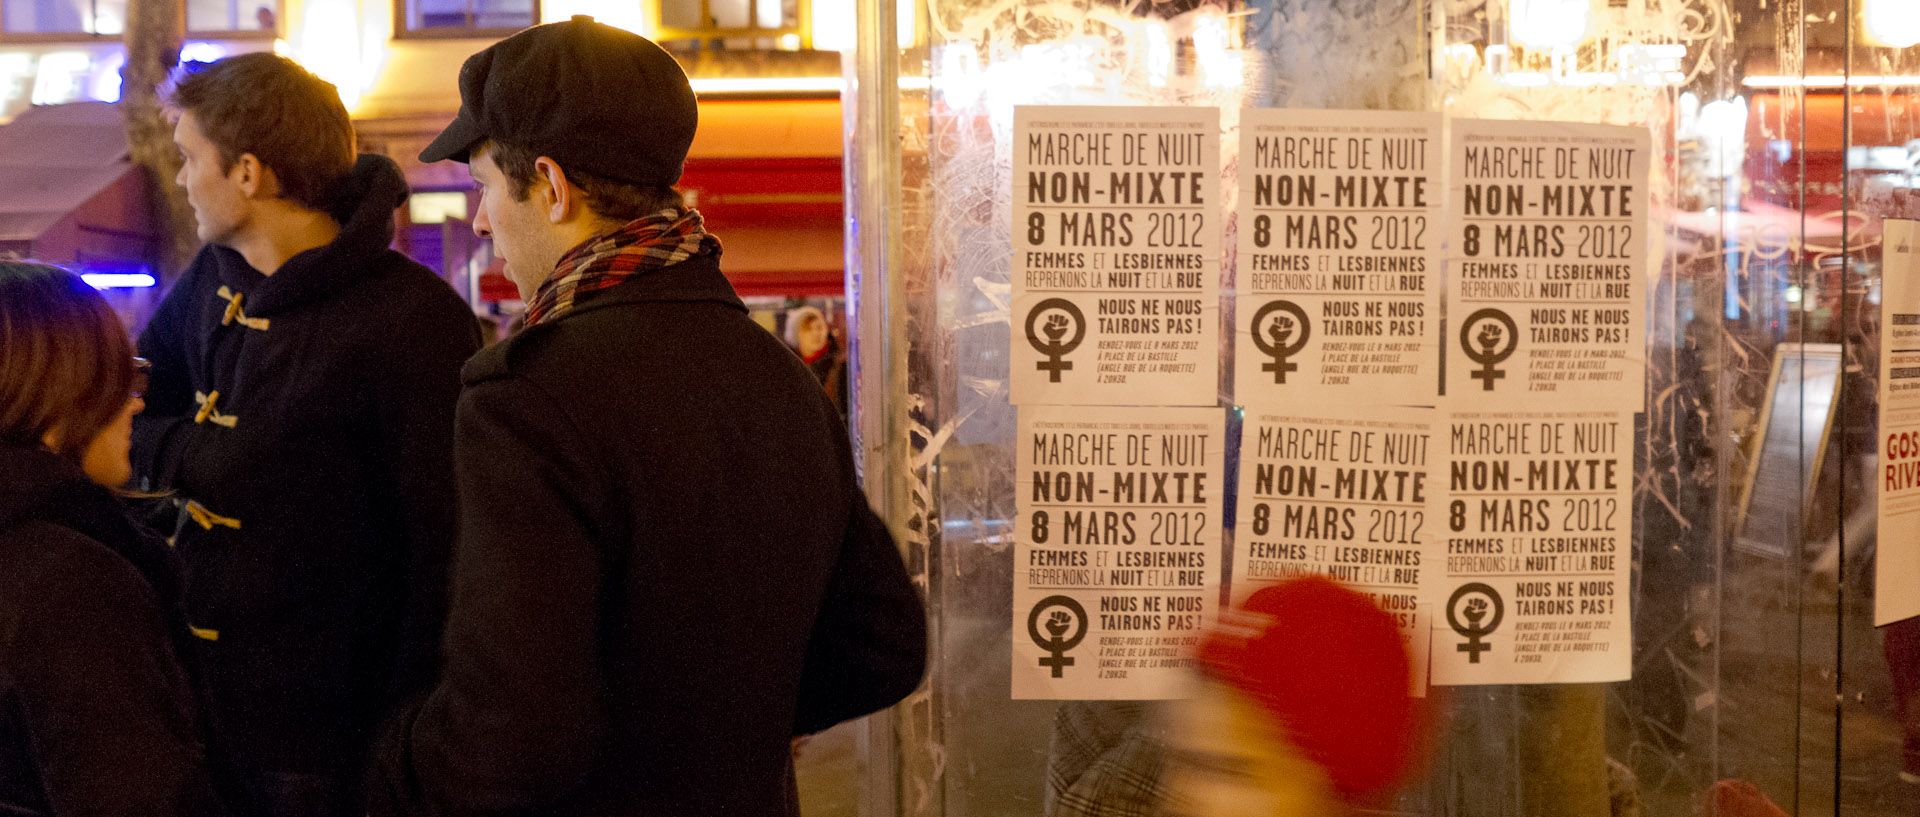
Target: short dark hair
pixel 269 106
pixel 608 198
pixel 65 360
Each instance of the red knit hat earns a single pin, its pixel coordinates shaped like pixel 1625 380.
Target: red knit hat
pixel 1332 669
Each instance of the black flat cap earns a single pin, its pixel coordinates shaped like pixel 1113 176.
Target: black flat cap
pixel 592 97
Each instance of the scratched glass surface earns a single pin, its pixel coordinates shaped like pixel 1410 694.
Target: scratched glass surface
pixel 1783 133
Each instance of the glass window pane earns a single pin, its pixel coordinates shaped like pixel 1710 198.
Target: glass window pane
pixel 434 14
pixel 65 16
pixel 729 13
pixel 231 15
pixel 503 13
pixel 684 14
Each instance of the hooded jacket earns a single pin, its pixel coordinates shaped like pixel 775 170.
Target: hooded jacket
pixel 97 716
pixel 303 421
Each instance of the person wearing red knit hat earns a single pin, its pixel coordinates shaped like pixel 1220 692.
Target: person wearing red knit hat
pixel 1304 708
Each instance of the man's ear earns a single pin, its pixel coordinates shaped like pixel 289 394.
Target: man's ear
pixel 256 180
pixel 562 200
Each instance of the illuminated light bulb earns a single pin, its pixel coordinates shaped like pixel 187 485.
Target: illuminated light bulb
pixel 330 47
pixel 1159 53
pixel 1548 24
pixel 1892 23
pixel 833 25
pixel 1220 65
pixel 959 81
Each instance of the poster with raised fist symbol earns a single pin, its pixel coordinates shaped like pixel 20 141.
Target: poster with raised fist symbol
pixel 1117 543
pixel 1529 577
pixel 1116 256
pixel 1339 248
pixel 1547 266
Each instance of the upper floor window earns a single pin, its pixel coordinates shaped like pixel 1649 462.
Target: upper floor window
pixel 253 16
pixel 86 19
pixel 95 17
pixel 745 24
pixel 464 18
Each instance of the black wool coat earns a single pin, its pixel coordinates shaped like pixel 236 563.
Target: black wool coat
pixel 97 715
pixel 304 420
pixel 665 570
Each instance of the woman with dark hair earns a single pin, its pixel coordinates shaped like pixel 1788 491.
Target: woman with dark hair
pixel 97 716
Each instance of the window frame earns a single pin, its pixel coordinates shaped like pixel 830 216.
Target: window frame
pixel 11 37
pixel 802 25
pixel 402 32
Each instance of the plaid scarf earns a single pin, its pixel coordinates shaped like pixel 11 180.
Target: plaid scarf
pixel 642 245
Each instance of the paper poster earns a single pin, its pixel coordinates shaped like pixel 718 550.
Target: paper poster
pixel 1537 549
pixel 1338 275
pixel 1548 261
pixel 1342 496
pixel 1899 479
pixel 1116 573
pixel 1116 256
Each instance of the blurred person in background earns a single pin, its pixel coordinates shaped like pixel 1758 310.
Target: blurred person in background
pixel 97 714
pixel 301 415
pixel 1303 709
pixel 811 337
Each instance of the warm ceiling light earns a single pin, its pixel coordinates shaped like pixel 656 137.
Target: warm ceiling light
pixel 767 85
pixel 1892 23
pixel 1831 81
pixel 1548 24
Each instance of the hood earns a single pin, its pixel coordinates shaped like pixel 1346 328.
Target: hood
pixel 38 484
pixel 31 478
pixel 364 205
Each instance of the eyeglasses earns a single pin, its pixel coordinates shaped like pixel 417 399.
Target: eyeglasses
pixel 142 372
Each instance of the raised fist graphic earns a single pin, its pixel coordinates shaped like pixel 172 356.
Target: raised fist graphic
pixel 1058 622
pixel 1280 330
pixel 1056 327
pixel 1490 336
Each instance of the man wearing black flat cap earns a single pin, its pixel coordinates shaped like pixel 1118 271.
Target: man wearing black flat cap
pixel 665 569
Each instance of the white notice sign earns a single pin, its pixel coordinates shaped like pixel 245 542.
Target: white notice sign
pixel 1118 538
pixel 1546 297
pixel 1116 256
pixel 1338 276
pixel 1899 479
pixel 1342 496
pixel 1537 548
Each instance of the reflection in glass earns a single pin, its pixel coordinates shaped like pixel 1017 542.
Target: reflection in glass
pixel 1783 134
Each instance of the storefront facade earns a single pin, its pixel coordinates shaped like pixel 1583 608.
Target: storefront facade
pixel 765 169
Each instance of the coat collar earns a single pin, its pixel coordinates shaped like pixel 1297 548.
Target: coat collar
pixel 696 279
pixel 38 484
pixel 364 207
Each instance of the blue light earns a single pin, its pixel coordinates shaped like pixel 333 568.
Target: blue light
pixel 118 280
pixel 200 51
